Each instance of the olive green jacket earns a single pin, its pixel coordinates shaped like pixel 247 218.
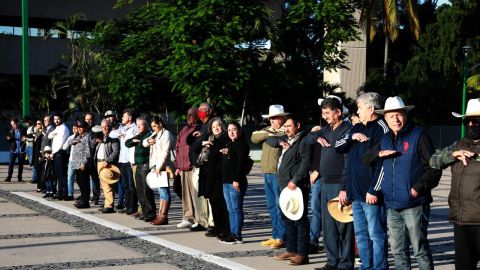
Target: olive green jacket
pixel 269 154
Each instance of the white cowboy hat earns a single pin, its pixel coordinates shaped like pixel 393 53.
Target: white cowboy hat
pixel 344 109
pixel 473 109
pixel 338 212
pixel 47 149
pixel 291 203
pixel 394 104
pixel 109 175
pixel 109 113
pixel 275 110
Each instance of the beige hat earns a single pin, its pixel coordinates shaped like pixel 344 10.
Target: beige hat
pixel 291 203
pixel 275 110
pixel 339 212
pixel 109 175
pixel 47 149
pixel 473 109
pixel 394 104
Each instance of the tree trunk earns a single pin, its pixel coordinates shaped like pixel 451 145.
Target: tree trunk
pixel 385 59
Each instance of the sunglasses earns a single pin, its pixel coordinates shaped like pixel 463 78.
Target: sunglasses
pixel 474 121
pixel 38 123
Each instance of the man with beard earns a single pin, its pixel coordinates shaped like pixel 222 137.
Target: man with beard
pixel 59 136
pixel 464 199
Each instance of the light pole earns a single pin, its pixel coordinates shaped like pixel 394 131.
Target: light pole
pixel 466 50
pixel 25 62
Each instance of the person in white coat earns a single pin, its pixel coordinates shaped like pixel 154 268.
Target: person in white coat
pixel 161 143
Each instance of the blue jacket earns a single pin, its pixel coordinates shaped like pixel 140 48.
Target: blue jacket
pixel 359 177
pixel 407 169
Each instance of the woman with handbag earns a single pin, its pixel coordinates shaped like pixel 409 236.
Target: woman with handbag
pixel 233 171
pixel 161 143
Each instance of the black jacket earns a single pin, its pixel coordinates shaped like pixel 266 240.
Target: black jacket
pixel 233 164
pixel 12 141
pixel 295 162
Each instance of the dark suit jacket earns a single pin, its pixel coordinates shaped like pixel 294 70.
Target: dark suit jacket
pixel 296 161
pixel 12 141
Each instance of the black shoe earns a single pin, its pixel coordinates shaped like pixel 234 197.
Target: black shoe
pixel 327 267
pixel 82 205
pixel 140 217
pixel 230 240
pixel 120 208
pixel 312 249
pixel 220 236
pixel 198 228
pixel 7 180
pixel 148 219
pixel 20 180
pixel 47 195
pixel 211 233
pixel 130 211
pixel 106 210
pixel 68 198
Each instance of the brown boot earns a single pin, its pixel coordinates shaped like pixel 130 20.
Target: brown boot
pixel 285 256
pixel 162 218
pixel 299 260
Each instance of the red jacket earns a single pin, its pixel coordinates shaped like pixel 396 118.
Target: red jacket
pixel 182 161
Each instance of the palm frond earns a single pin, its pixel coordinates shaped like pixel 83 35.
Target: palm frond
pixel 391 19
pixel 474 82
pixel 410 7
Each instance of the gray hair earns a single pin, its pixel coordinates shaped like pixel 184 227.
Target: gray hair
pixel 208 105
pixel 371 99
pixel 107 121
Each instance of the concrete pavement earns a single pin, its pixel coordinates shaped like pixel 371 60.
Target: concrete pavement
pixel 36 233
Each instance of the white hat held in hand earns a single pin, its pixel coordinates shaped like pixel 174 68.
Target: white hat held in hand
pixel 291 203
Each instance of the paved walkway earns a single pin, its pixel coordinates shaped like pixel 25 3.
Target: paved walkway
pixel 41 234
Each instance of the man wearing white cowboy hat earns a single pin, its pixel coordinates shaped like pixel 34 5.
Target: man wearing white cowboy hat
pixel 107 152
pixel 269 162
pixel 338 237
pixel 406 181
pixel 369 216
pixel 464 202
pixel 293 168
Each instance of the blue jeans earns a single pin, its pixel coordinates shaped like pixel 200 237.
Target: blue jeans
pixel 297 231
pixel 70 178
pixel 316 221
pixel 234 200
pixel 29 153
pixel 11 162
pixel 338 239
pixel 370 223
pixel 414 223
pixel 164 194
pixel 272 193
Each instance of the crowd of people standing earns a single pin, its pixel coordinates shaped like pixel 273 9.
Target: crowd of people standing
pixel 361 179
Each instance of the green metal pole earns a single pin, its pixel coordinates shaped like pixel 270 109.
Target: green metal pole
pixel 464 95
pixel 25 61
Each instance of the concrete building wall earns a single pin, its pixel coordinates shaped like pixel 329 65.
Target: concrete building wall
pixel 354 76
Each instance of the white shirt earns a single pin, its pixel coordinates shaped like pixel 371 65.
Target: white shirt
pixel 160 151
pixel 101 151
pixel 124 133
pixel 59 136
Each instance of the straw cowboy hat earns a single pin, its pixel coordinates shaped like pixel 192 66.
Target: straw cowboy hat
pixel 394 104
pixel 291 203
pixel 339 212
pixel 275 110
pixel 344 109
pixel 473 109
pixel 109 175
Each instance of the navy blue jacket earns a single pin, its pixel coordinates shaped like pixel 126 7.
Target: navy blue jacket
pixel 407 169
pixel 360 177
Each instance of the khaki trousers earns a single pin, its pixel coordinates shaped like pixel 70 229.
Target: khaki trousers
pixel 201 205
pixel 108 192
pixel 188 195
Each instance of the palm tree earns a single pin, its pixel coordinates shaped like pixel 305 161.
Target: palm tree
pixel 383 15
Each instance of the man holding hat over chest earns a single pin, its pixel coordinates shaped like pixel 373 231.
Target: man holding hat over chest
pixel 406 181
pixel 464 199
pixel 106 159
pixel 293 178
pixel 269 162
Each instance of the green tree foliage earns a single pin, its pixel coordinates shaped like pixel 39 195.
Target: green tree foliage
pixel 432 78
pixel 192 51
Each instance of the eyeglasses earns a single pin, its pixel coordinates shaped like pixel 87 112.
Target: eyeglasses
pixel 474 121
pixel 38 123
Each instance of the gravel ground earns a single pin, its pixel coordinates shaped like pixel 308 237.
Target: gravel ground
pixel 154 253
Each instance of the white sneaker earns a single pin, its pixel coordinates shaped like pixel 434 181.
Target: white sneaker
pixel 184 224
